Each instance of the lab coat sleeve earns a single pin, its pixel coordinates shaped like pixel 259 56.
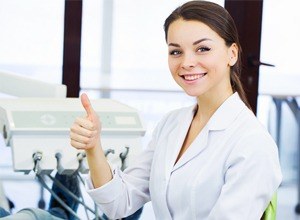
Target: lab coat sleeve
pixel 127 191
pixel 252 176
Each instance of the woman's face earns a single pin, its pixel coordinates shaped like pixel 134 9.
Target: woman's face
pixel 199 59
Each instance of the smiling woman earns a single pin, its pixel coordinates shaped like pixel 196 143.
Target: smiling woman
pixel 212 160
pixel 218 42
pixel 200 66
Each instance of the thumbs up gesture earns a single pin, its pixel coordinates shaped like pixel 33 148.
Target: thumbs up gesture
pixel 85 131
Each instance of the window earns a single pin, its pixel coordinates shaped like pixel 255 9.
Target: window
pixel 138 49
pixel 31 39
pixel 279 46
pixel 138 73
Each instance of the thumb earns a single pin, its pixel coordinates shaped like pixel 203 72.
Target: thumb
pixel 85 101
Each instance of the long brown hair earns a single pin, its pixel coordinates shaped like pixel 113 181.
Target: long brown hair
pixel 220 21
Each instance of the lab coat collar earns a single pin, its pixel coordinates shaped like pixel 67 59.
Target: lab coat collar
pixel 226 113
pixel 220 120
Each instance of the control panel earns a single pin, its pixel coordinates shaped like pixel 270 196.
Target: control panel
pixel 37 130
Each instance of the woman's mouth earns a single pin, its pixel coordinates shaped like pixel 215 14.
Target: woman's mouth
pixel 193 77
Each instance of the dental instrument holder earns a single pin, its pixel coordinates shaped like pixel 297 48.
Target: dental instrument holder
pixel 83 167
pixel 31 125
pixel 123 157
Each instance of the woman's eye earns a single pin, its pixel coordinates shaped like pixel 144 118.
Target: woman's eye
pixel 174 52
pixel 204 49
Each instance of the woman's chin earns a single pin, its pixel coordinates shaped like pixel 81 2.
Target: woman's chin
pixel 192 93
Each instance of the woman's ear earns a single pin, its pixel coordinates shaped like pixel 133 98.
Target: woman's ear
pixel 233 52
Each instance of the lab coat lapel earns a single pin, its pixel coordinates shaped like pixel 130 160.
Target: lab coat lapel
pixel 197 146
pixel 167 156
pixel 176 139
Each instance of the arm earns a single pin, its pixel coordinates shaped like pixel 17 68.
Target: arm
pixel 118 193
pixel 252 176
pixel 85 134
pixel 127 191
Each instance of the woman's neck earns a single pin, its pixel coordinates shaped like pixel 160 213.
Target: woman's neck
pixel 208 104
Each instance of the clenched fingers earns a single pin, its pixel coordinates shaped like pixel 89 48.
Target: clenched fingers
pixel 85 123
pixel 84 134
pixel 78 145
pixel 81 130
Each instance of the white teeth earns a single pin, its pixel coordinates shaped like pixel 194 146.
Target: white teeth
pixel 193 77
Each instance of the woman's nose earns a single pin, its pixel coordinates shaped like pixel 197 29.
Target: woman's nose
pixel 189 61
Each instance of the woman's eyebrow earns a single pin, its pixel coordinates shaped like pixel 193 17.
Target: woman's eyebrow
pixel 201 40
pixel 195 43
pixel 173 45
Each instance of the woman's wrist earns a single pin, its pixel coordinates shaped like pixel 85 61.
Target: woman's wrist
pixel 96 150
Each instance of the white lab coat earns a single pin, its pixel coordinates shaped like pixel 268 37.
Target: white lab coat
pixel 230 171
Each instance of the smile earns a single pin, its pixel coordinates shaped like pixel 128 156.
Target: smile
pixel 193 77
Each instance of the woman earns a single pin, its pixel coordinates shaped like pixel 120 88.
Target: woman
pixel 213 160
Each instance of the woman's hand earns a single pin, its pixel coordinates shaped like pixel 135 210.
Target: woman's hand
pixel 85 132
pixel 85 135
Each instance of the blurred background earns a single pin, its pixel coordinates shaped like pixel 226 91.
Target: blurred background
pixel 116 49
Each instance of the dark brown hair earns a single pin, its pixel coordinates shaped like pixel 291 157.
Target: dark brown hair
pixel 220 21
